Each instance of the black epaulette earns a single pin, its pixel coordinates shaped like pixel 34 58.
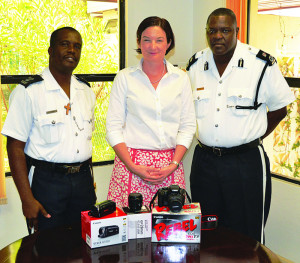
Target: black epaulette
pixel 82 80
pixel 192 60
pixel 30 80
pixel 266 57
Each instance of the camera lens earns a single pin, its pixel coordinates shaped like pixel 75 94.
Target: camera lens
pixel 135 202
pixel 175 202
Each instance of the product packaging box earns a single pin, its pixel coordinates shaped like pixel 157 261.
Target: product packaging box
pixel 181 227
pixel 104 231
pixel 139 224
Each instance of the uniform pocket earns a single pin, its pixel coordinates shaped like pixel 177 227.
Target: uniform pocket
pixel 239 97
pixel 201 100
pixel 50 127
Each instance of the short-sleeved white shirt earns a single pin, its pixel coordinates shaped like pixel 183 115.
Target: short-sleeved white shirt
pixel 37 116
pixel 219 123
pixel 145 118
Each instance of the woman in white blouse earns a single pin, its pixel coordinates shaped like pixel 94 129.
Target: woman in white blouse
pixel 151 120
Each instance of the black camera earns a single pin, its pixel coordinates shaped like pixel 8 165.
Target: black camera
pixel 108 231
pixel 172 197
pixel 103 209
pixel 135 202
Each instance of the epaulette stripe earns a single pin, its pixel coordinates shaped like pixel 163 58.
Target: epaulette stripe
pixel 83 80
pixel 192 60
pixel 266 57
pixel 30 80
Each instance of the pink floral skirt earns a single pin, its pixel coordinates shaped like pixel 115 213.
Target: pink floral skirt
pixel 123 182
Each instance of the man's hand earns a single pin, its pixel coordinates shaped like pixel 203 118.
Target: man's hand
pixel 19 171
pixel 31 210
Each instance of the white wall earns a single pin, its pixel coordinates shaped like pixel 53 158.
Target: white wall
pixel 177 12
pixel 283 226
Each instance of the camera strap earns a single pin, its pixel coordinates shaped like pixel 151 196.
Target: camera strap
pixel 209 222
pixel 153 199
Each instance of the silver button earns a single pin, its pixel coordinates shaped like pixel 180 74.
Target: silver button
pixel 77 151
pixel 220 81
pixel 74 118
pixel 240 96
pixel 216 125
pixel 76 134
pixel 53 122
pixel 218 109
pixel 219 94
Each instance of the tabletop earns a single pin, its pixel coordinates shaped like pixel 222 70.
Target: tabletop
pixel 64 244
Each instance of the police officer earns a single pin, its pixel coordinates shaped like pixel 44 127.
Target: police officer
pixel 240 96
pixel 49 128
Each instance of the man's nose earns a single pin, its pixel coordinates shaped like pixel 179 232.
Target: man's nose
pixel 71 48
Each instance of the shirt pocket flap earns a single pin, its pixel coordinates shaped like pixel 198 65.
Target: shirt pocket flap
pixel 201 94
pixel 51 119
pixel 240 93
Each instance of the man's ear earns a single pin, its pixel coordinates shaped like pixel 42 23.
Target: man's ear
pixel 50 50
pixel 237 30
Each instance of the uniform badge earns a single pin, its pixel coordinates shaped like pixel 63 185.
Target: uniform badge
pixel 206 66
pixel 241 63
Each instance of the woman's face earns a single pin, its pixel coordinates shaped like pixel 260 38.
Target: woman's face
pixel 154 44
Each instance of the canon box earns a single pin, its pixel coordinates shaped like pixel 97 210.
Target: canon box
pixel 139 224
pixel 104 231
pixel 182 227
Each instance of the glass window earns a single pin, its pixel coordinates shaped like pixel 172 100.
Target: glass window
pixel 25 29
pixel 274 28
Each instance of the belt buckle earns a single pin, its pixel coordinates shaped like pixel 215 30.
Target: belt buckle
pixel 73 169
pixel 217 151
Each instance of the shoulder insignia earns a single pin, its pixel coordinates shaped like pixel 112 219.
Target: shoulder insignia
pixel 82 80
pixel 192 60
pixel 266 57
pixel 30 80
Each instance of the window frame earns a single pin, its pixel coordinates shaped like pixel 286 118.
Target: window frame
pixel 292 82
pixel 105 77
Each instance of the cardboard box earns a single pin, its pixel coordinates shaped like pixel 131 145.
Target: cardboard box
pixel 182 227
pixel 139 224
pixel 104 231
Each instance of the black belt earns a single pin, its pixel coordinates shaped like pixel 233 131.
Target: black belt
pixel 65 168
pixel 220 151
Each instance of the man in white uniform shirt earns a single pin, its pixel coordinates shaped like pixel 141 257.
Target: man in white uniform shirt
pixel 240 96
pixel 49 129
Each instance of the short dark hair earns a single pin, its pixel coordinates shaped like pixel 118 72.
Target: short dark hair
pixel 54 34
pixel 223 12
pixel 156 21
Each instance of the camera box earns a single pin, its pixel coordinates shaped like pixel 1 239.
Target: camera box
pixel 181 227
pixel 104 231
pixel 139 223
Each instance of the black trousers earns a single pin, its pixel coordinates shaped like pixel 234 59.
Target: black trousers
pixel 63 196
pixel 235 187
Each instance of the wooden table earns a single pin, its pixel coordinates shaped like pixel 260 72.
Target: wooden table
pixel 66 245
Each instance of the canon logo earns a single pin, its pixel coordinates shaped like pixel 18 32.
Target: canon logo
pixel 211 218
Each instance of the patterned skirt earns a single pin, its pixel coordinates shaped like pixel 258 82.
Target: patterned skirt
pixel 123 182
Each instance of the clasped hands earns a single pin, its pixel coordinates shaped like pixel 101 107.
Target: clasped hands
pixel 153 175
